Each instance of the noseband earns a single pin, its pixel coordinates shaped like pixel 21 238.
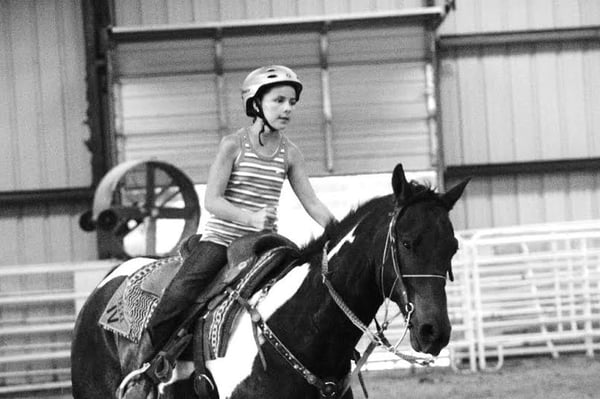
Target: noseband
pixel 391 248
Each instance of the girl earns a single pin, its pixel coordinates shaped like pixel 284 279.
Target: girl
pixel 243 189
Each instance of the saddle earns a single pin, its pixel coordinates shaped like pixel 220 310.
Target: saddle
pixel 132 305
pixel 253 260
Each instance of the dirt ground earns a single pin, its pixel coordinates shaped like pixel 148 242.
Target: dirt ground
pixel 568 377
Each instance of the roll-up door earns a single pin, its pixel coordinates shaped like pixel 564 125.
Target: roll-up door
pixel 378 93
pixel 363 108
pixel 165 104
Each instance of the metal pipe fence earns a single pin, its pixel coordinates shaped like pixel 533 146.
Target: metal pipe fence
pixel 38 306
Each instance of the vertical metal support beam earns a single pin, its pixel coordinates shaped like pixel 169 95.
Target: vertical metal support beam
pixel 326 93
pixel 113 110
pixel 220 83
pixel 433 115
pixel 431 105
pixel 96 17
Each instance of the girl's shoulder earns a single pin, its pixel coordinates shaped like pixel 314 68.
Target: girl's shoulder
pixel 294 153
pixel 231 143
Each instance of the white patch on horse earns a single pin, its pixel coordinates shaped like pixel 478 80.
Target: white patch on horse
pixel 127 268
pixel 348 238
pixel 231 370
pixel 181 371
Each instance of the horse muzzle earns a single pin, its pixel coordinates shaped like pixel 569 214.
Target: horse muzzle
pixel 428 337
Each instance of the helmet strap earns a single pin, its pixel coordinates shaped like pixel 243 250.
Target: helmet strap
pixel 261 115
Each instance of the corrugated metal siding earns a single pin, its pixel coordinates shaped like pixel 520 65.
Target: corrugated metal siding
pixel 168 96
pixel 521 103
pixel 42 125
pixel 475 16
pixel 138 12
pixel 46 233
pixel 43 105
pixel 528 198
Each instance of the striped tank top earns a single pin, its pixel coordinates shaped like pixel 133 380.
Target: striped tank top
pixel 255 182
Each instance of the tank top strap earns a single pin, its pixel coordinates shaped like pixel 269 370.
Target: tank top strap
pixel 245 145
pixel 283 151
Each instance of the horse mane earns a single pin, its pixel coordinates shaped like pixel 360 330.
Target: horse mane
pixel 336 229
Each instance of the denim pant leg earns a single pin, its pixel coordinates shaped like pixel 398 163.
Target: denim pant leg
pixel 196 273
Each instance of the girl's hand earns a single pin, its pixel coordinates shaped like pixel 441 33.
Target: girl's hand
pixel 263 218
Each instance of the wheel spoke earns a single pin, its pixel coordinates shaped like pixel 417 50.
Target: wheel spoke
pixel 173 213
pixel 169 198
pixel 150 186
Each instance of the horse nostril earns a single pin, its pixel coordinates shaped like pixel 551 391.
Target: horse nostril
pixel 427 332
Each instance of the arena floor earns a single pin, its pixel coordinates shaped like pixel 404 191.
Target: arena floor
pixel 568 377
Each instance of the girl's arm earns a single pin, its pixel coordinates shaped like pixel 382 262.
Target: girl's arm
pixel 303 189
pixel 218 176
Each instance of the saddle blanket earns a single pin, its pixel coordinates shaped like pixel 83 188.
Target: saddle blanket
pixel 133 303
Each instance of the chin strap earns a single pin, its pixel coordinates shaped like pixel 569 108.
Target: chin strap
pixel 261 115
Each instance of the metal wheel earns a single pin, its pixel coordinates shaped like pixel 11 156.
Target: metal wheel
pixel 143 208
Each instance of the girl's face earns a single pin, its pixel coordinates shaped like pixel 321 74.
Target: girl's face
pixel 278 104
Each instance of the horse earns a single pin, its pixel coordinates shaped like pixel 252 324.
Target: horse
pixel 395 248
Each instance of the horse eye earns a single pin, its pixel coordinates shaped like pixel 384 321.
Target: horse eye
pixel 406 244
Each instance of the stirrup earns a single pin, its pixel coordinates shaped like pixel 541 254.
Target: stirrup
pixel 129 377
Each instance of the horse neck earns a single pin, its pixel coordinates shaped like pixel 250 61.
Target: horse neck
pixel 333 335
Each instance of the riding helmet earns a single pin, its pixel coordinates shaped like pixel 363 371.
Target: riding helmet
pixel 264 77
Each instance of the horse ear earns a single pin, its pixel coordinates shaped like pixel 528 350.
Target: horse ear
pixel 451 196
pixel 402 188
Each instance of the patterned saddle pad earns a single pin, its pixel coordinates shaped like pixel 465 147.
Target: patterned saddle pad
pixel 133 303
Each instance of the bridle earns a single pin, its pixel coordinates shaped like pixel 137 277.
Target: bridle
pixel 391 245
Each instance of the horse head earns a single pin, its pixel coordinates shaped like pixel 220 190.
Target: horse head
pixel 419 248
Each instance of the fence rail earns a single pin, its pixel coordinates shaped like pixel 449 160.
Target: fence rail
pixel 38 306
pixel 517 291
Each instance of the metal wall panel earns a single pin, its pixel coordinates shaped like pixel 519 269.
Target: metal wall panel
pixel 520 103
pixel 378 99
pixel 528 199
pixel 172 57
pixel 172 12
pixel 43 130
pixel 172 118
pixel 42 106
pixel 382 121
pixel 244 53
pixel 475 16
pixel 38 234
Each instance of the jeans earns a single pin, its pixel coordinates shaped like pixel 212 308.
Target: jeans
pixel 198 270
